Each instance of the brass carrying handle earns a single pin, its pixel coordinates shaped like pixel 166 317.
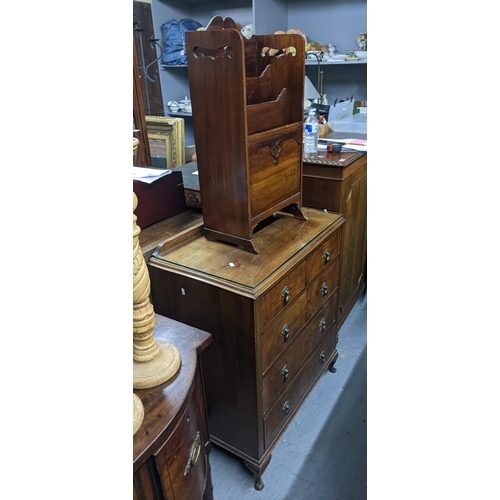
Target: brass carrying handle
pixel 286 294
pixel 194 454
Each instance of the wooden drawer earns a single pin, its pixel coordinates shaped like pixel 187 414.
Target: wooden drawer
pixel 174 455
pixel 321 289
pixel 282 330
pixel 323 255
pixel 286 406
pixel 282 294
pixel 283 372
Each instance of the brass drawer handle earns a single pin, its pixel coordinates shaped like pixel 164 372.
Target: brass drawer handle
pixel 322 324
pixel 286 294
pixel 194 454
pixel 326 256
pixel 285 332
pixel 324 289
pixel 286 408
pixel 284 372
pixel 322 357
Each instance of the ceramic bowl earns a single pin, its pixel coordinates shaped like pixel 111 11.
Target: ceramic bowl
pixel 173 106
pixel 311 54
pixel 360 53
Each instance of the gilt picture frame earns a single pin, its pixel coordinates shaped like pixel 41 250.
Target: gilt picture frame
pixel 166 136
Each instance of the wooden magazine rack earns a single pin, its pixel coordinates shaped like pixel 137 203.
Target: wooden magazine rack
pixel 247 98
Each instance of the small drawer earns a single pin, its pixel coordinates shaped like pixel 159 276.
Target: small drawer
pixel 322 288
pixel 282 330
pixel 181 461
pixel 284 370
pixel 286 405
pixel 324 255
pixel 282 294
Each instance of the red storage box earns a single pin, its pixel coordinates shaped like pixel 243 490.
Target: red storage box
pixel 159 200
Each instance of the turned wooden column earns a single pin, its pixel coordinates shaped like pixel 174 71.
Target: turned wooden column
pixel 154 362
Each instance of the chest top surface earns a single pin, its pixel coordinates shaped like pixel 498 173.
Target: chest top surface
pixel 282 240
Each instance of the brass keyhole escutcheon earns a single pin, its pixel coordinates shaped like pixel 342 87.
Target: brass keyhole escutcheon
pixel 322 356
pixel 286 408
pixel 322 324
pixel 285 332
pixel 324 289
pixel 286 294
pixel 326 256
pixel 284 372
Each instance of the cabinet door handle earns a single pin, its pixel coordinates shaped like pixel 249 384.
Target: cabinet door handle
pixel 326 256
pixel 324 289
pixel 194 453
pixel 286 408
pixel 286 294
pixel 285 332
pixel 284 372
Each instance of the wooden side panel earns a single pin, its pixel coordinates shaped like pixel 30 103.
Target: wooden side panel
pixel 220 130
pixel 355 242
pixel 229 364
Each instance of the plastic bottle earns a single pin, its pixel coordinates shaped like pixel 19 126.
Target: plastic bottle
pixel 311 127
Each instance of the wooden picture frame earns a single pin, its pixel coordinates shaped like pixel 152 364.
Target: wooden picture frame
pixel 167 132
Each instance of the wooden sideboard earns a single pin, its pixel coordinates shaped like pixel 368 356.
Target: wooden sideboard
pixel 172 444
pixel 338 182
pixel 273 318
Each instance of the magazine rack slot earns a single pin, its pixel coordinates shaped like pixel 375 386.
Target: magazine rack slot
pixel 268 115
pixel 259 87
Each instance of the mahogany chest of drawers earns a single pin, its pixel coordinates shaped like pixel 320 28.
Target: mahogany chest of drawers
pixel 273 319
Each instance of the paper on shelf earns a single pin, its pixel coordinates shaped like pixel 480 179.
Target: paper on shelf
pixel 356 144
pixel 149 175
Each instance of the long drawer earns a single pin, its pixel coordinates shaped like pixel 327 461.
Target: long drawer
pixel 324 255
pixel 284 370
pixel 288 403
pixel 283 293
pixel 282 330
pixel 322 287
